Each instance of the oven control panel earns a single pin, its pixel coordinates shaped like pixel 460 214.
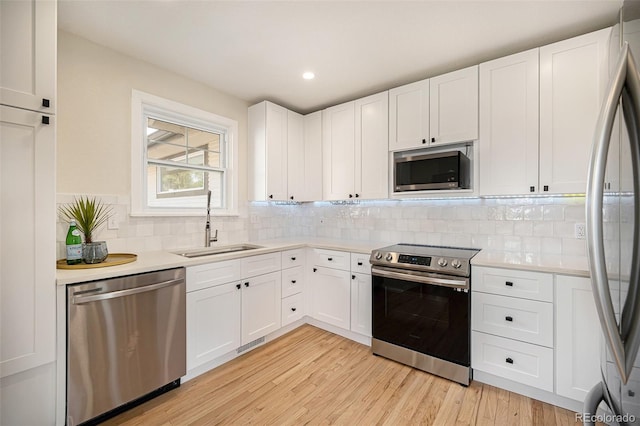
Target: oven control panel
pixel 414 260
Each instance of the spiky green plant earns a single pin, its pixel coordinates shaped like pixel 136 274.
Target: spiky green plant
pixel 89 214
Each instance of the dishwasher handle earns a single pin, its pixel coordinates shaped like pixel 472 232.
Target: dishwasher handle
pixel 79 300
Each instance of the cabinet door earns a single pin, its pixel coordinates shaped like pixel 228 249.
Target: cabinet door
pixel 27 240
pixel 261 306
pixel 213 323
pixel 409 116
pixel 276 139
pixel 331 296
pixel 312 157
pixel 577 338
pixel 361 295
pixel 28 39
pixel 295 157
pixel 338 152
pixel 573 77
pixel 372 140
pixel 453 106
pixel 509 124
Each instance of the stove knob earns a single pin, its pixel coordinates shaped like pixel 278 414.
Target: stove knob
pixel 456 263
pixel 442 262
pixel 389 257
pixel 378 255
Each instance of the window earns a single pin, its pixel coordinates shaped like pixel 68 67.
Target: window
pixel 179 155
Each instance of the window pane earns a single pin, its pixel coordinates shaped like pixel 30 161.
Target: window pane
pixel 178 187
pixel 206 141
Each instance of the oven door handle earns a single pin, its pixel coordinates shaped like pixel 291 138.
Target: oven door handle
pixel 421 278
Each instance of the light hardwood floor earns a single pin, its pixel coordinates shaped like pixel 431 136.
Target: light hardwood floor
pixel 311 376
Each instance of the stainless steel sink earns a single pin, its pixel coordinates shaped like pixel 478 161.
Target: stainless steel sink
pixel 211 251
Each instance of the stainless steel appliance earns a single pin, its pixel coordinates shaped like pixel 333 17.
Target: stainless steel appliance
pixel 614 246
pixel 424 170
pixel 421 308
pixel 126 338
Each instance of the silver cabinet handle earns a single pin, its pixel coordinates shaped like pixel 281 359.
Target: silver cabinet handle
pixel 78 300
pixel 625 84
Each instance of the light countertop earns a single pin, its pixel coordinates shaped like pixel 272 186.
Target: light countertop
pixel 157 260
pixel 552 263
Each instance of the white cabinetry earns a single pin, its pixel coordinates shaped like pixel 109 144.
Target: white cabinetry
pixel 293 280
pixel 577 338
pixel 573 77
pixel 453 110
pixel 213 311
pixel 261 295
pixel 409 116
pixel 27 196
pixel 508 142
pixel 283 154
pixel 361 295
pixel 354 146
pixel 512 335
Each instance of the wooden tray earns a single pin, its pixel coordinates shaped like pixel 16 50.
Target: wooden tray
pixel 112 259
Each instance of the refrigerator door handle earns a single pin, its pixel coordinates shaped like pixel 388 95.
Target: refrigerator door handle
pixel 630 318
pixel 594 203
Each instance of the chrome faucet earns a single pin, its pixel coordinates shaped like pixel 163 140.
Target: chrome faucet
pixel 207 227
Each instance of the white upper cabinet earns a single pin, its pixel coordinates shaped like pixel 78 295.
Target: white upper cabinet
pixel 372 156
pixel 267 152
pixel 508 142
pixel 453 109
pixel 338 151
pixel 28 67
pixel 295 156
pixel 409 116
pixel 355 149
pixel 312 158
pixel 573 78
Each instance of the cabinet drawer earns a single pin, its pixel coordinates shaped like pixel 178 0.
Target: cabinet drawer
pixel 292 258
pixel 524 363
pixel 261 264
pixel 292 308
pixel 332 259
pixel 360 263
pixel 515 283
pixel 292 281
pixel 526 320
pixel 212 274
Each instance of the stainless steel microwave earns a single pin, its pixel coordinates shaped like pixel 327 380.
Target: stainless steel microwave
pixel 441 170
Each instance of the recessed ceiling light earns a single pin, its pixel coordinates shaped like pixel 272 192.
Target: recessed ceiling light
pixel 308 75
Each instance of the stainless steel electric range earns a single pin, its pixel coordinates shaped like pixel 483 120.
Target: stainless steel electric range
pixel 422 307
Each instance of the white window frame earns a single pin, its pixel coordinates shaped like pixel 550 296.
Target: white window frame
pixel 143 104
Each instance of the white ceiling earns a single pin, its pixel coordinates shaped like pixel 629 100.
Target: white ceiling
pixel 258 50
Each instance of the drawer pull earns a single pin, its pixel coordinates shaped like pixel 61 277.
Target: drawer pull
pixel 508 284
pixel 510 319
pixel 509 361
pixel 359 263
pixel 315 269
pixel 631 393
pixel 293 309
pixel 238 286
pixel 246 284
pixel 293 259
pixel 353 277
pixel 293 281
pixel 330 259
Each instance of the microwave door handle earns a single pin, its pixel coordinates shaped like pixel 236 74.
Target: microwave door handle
pixel 593 203
pixel 630 318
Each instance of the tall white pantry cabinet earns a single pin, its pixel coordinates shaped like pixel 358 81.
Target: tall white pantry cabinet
pixel 27 212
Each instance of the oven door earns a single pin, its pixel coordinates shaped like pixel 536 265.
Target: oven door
pixel 427 313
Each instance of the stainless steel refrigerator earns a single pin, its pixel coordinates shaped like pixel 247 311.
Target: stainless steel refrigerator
pixel 613 234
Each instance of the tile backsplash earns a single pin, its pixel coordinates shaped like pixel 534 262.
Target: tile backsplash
pixel 535 225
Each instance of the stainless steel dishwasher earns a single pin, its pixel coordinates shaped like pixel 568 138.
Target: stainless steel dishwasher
pixel 126 342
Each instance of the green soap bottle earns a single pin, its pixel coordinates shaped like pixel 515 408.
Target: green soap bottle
pixel 74 244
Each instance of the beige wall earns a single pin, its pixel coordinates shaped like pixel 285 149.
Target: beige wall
pixel 94 114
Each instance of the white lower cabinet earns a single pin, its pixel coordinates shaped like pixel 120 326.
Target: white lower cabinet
pixel 331 299
pixel 518 361
pixel 213 323
pixel 577 338
pixel 361 294
pixel 261 299
pixel 292 309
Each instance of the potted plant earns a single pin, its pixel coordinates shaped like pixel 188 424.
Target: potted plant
pixel 89 214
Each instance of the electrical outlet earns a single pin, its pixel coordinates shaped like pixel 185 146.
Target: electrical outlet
pixel 113 222
pixel 580 231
